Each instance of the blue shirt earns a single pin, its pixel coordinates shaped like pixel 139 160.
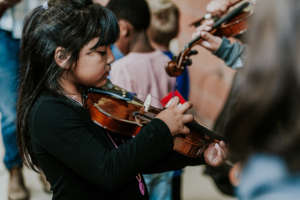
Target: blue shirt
pixel 266 177
pixel 116 52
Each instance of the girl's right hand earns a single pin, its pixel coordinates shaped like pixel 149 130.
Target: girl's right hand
pixel 175 118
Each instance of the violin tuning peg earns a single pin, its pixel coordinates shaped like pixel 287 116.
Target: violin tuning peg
pixel 192 52
pixel 147 102
pixel 187 62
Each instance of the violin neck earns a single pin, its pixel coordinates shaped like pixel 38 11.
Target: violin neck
pixel 211 135
pixel 231 14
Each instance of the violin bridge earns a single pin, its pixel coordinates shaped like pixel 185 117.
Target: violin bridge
pixel 147 103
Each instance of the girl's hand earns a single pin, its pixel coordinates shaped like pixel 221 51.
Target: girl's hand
pixel 209 41
pixel 175 118
pixel 215 154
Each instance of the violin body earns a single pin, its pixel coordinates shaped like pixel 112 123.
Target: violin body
pixel 122 113
pixel 194 144
pixel 117 113
pixel 112 114
pixel 238 25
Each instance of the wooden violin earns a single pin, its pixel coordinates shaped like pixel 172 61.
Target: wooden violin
pixel 231 24
pixel 120 112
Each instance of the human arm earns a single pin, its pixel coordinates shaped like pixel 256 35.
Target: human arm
pixel 173 161
pixel 230 53
pixel 70 137
pixel 84 147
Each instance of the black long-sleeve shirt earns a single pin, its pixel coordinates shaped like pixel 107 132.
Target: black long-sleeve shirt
pixel 80 161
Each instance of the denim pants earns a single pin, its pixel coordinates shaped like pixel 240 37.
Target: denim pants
pixel 9 66
pixel 159 185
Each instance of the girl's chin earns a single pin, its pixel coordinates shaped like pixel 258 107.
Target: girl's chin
pixel 102 83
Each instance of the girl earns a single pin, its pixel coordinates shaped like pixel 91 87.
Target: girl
pixel 65 49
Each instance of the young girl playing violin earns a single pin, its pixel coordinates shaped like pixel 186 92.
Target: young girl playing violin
pixel 65 49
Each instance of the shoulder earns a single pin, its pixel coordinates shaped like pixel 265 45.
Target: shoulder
pixel 123 62
pixel 159 59
pixel 51 110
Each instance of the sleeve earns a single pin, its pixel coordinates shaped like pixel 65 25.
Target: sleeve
pixel 119 75
pixel 173 161
pixel 61 131
pixel 231 53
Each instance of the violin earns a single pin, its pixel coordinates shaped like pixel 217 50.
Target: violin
pixel 121 112
pixel 231 24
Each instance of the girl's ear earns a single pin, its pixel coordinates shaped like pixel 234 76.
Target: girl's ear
pixel 61 57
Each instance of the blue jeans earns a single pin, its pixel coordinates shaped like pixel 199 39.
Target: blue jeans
pixel 9 66
pixel 159 185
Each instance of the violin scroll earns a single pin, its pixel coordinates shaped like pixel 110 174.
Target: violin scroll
pixel 174 69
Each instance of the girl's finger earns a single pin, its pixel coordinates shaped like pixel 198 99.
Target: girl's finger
pixel 187 118
pixel 184 107
pixel 185 130
pixel 172 102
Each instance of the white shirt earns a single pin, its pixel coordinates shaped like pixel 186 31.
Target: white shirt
pixel 143 74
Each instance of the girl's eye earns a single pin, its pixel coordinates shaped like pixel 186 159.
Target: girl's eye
pixel 102 53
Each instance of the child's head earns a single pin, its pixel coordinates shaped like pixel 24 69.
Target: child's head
pixel 164 21
pixel 58 33
pixel 136 12
pixel 133 17
pixel 267 116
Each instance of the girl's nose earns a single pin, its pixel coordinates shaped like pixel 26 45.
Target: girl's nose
pixel 107 67
pixel 110 56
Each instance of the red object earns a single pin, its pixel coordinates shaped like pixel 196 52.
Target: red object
pixel 172 94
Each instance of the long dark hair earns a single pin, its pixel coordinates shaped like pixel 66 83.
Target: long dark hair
pixel 266 119
pixel 69 24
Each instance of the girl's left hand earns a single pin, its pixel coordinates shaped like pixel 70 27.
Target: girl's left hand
pixel 215 154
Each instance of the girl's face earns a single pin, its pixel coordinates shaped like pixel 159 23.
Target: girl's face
pixel 93 65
